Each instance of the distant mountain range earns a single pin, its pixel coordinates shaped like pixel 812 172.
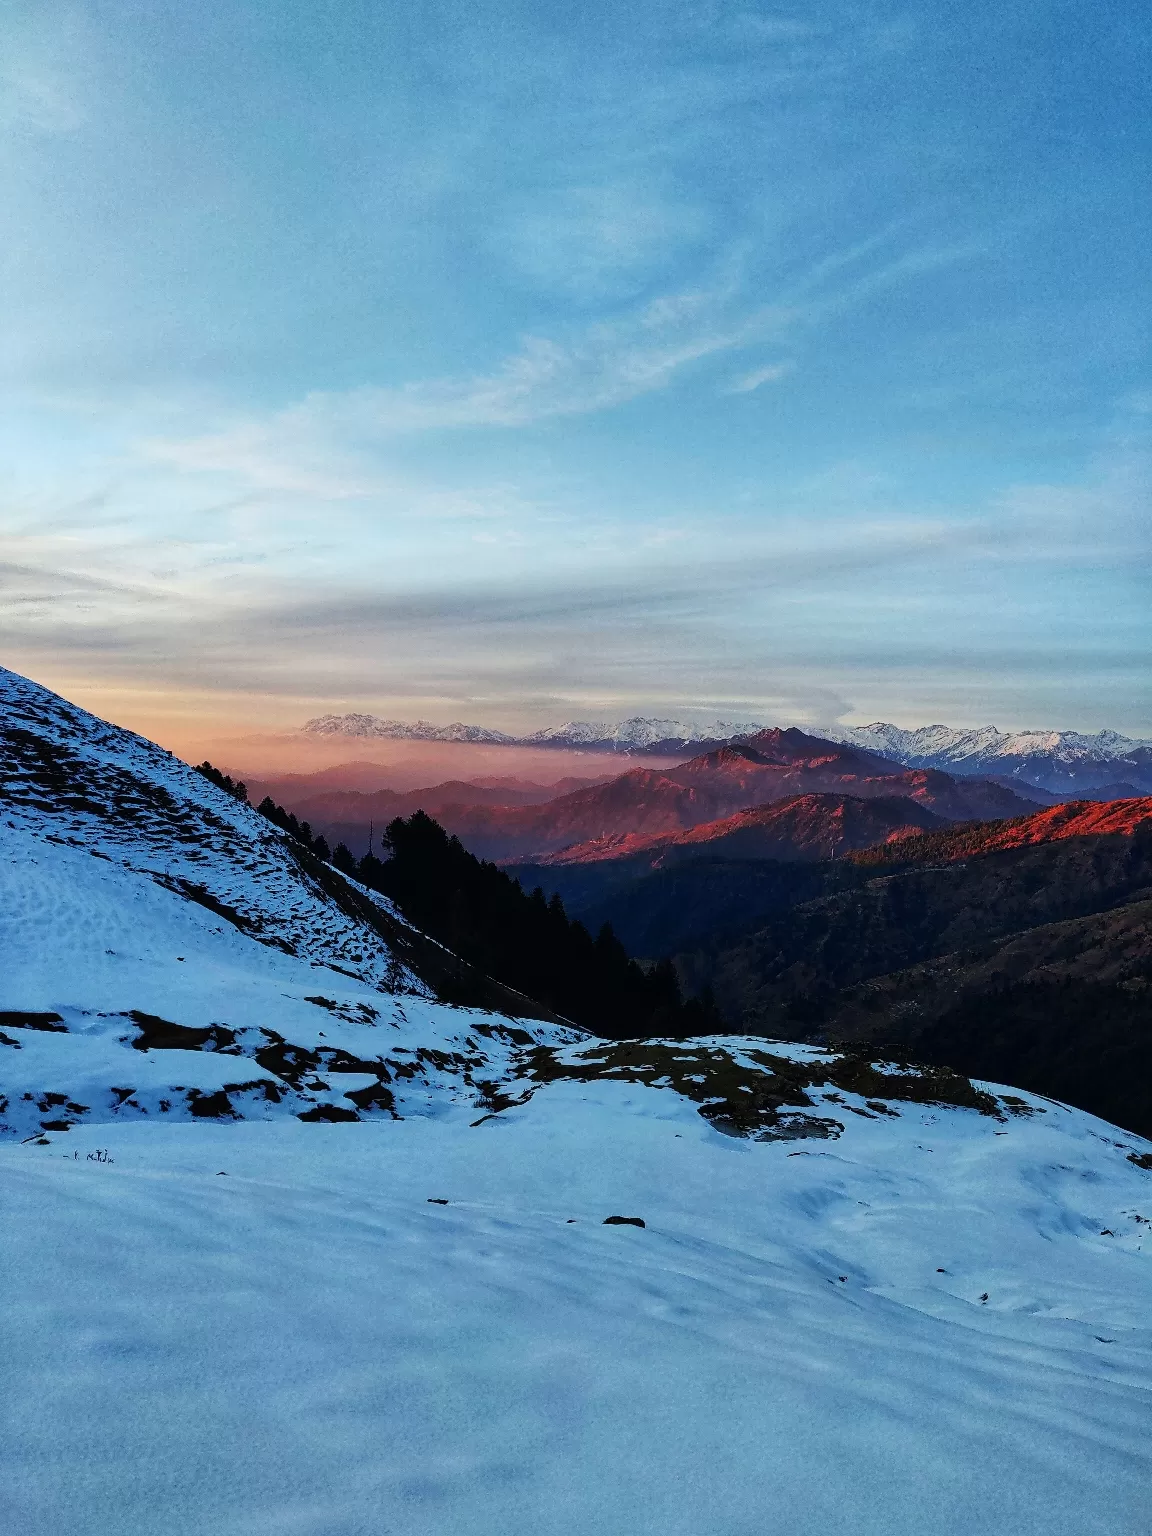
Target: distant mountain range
pixel 1065 763
pixel 1104 765
pixel 756 770
pixel 634 735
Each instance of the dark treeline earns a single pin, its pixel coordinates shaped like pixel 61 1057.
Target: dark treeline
pixel 287 822
pixel 234 787
pixel 520 938
pixel 526 940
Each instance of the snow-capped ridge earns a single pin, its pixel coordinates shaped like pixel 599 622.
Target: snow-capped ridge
pixel 400 730
pixel 635 734
pixel 638 732
pixel 1061 762
pixel 956 746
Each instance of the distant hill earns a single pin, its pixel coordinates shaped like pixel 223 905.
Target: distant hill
pixel 905 909
pixel 804 827
pixel 967 945
pixel 1072 818
pixel 1017 949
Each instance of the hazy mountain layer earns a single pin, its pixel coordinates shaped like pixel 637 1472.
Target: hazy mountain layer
pixel 347 815
pixel 772 766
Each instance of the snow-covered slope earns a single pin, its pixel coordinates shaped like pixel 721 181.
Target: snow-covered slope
pixel 1054 760
pixel 862 1299
pixel 166 950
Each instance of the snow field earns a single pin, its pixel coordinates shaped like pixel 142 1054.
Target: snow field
pixel 306 1344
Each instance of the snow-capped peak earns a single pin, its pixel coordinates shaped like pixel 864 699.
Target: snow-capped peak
pixel 635 734
pixel 1065 762
pixel 401 730
pixel 957 745
pixel 639 732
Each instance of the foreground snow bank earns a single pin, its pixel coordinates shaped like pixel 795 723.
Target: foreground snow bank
pixel 936 1324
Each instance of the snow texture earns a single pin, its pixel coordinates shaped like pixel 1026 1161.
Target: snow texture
pixel 935 1325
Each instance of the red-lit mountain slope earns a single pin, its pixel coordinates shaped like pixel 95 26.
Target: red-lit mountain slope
pixel 1075 818
pixel 803 828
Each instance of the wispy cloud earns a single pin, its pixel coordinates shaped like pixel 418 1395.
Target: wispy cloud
pixel 591 622
pixel 291 451
pixel 323 445
pixel 310 448
pixel 747 382
pixel 793 620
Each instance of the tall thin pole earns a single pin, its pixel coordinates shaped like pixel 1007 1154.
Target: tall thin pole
pixel 371 830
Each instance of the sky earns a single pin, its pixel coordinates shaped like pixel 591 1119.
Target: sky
pixel 522 362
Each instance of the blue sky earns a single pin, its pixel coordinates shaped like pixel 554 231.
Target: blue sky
pixel 515 362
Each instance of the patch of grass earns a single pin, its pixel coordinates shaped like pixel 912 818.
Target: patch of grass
pixel 14 1018
pixel 748 1092
pixel 158 1034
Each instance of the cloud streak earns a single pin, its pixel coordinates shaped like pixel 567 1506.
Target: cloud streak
pixel 306 449
pixel 770 374
pixel 303 449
